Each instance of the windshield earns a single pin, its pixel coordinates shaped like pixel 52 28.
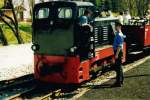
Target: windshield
pixel 42 13
pixel 65 12
pixel 53 30
pixel 62 12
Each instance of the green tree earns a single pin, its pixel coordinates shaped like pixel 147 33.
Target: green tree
pixel 136 7
pixel 1 3
pixel 108 4
pixel 13 24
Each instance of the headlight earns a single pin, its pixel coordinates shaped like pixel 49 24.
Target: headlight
pixel 73 49
pixel 35 47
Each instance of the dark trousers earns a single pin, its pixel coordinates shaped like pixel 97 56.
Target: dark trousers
pixel 119 69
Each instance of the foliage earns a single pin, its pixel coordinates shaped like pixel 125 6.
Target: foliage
pixel 24 33
pixel 136 7
pixel 13 22
pixel 1 3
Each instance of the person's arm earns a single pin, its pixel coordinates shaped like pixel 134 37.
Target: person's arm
pixel 117 53
pixel 84 22
pixel 88 25
pixel 119 46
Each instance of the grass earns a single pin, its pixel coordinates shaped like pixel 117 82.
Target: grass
pixel 136 87
pixel 26 27
pixel 25 31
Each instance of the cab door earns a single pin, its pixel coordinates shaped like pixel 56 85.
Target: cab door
pixel 84 38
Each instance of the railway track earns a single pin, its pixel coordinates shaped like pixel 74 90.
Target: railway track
pixel 48 92
pixel 15 86
pixel 5 84
pixel 35 94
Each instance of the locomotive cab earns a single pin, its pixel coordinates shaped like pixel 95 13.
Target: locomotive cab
pixel 52 28
pixel 54 25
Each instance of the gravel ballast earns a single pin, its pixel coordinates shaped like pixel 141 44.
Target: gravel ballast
pixel 15 61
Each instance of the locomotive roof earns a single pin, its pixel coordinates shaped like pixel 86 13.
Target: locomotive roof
pixel 80 3
pixel 106 19
pixel 75 3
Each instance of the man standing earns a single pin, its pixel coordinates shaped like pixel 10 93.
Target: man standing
pixel 118 51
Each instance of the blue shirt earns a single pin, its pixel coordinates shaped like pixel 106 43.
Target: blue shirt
pixel 83 20
pixel 118 41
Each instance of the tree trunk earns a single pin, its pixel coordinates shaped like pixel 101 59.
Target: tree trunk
pixel 16 24
pixel 3 38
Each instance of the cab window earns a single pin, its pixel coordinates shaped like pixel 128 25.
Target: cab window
pixel 42 13
pixel 65 12
pixel 81 11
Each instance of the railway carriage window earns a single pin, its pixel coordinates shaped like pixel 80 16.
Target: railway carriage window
pixel 65 13
pixel 42 13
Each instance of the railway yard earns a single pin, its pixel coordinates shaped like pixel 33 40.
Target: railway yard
pixel 79 51
pixel 25 87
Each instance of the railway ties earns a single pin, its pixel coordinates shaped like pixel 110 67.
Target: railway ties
pixel 8 84
pixel 40 92
pixel 34 95
pixel 27 88
pixel 15 86
pixel 36 92
pixel 19 95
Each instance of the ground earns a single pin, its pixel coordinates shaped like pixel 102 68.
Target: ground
pixel 15 61
pixel 136 86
